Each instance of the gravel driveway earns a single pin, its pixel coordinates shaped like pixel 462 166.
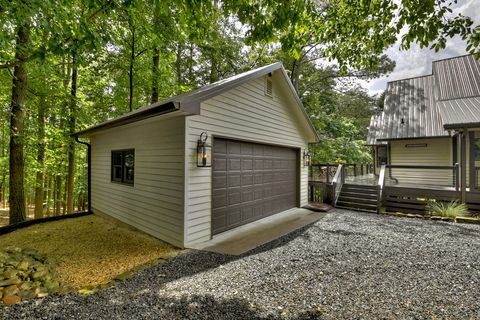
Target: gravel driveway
pixel 347 265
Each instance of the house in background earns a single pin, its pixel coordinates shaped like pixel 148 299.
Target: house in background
pixel 432 122
pixel 201 163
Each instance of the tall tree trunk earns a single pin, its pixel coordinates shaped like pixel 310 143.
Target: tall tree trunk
pixel 178 63
pixel 213 69
pixel 295 75
pixel 190 64
pixel 132 63
pixel 39 188
pixel 155 71
pixel 64 200
pixel 19 95
pixel 71 141
pixel 48 184
pixel 58 194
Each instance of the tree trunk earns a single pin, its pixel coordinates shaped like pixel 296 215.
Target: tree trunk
pixel 39 188
pixel 19 95
pixel 132 63
pixel 156 61
pixel 48 183
pixel 295 75
pixel 64 200
pixel 178 63
pixel 58 194
pixel 71 141
pixel 213 70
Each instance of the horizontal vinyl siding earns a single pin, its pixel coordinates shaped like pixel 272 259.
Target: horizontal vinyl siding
pixel 155 204
pixel 243 113
pixel 438 152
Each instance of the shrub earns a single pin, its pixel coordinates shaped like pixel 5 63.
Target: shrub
pixel 447 209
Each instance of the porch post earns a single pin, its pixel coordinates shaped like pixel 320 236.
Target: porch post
pixel 463 155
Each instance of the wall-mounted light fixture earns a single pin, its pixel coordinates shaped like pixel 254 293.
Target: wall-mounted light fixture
pixel 402 121
pixel 204 151
pixel 307 158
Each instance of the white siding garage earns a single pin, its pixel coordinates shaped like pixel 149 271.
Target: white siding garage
pixel 154 203
pixel 171 197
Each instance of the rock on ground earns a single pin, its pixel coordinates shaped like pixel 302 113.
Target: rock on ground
pixel 347 265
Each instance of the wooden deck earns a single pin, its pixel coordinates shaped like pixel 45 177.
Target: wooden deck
pixel 404 188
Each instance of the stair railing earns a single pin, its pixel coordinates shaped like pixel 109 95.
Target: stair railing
pixel 381 182
pixel 337 182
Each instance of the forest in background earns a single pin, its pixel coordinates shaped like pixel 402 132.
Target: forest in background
pixel 67 65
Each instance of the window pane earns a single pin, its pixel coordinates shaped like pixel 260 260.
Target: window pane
pixel 123 163
pixel 117 173
pixel 129 173
pixel 476 149
pixel 117 158
pixel 129 159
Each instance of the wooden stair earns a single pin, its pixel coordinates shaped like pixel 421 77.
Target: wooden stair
pixel 358 197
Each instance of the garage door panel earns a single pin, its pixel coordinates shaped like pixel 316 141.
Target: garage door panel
pixel 220 164
pixel 233 147
pixel 247 164
pixel 219 182
pixel 234 196
pixel 246 148
pixel 234 181
pixel 234 217
pixel 234 164
pixel 251 181
pixel 247 180
pixel 257 193
pixel 220 147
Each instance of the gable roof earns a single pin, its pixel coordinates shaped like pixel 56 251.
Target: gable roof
pixel 410 110
pixel 430 105
pixel 189 102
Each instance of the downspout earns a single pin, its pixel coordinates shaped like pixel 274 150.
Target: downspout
pixel 89 173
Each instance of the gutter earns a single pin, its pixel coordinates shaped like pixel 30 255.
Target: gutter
pixel 89 172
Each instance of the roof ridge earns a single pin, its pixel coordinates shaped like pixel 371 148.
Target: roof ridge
pixel 410 78
pixel 451 58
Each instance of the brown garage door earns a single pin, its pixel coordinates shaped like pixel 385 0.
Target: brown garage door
pixel 251 181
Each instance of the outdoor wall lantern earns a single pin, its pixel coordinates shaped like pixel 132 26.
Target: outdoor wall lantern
pixel 307 158
pixel 204 151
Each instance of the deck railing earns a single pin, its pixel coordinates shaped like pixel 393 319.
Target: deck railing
pixel 337 182
pixel 324 172
pixel 380 183
pixel 321 176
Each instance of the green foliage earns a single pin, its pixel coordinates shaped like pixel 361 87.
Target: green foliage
pixel 196 43
pixel 447 209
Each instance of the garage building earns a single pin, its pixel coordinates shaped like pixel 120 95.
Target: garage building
pixel 202 163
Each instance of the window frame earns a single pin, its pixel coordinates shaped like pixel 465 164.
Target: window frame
pixel 377 156
pixel 123 168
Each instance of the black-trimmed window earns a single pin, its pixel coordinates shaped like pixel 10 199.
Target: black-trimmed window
pixel 123 166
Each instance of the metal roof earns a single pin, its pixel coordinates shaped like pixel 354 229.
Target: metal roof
pixel 190 102
pixel 457 77
pixel 410 110
pixel 374 131
pixel 460 113
pixel 430 105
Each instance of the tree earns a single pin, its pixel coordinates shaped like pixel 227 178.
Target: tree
pixel 354 33
pixel 19 95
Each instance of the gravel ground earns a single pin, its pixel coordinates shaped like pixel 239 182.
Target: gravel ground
pixel 348 265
